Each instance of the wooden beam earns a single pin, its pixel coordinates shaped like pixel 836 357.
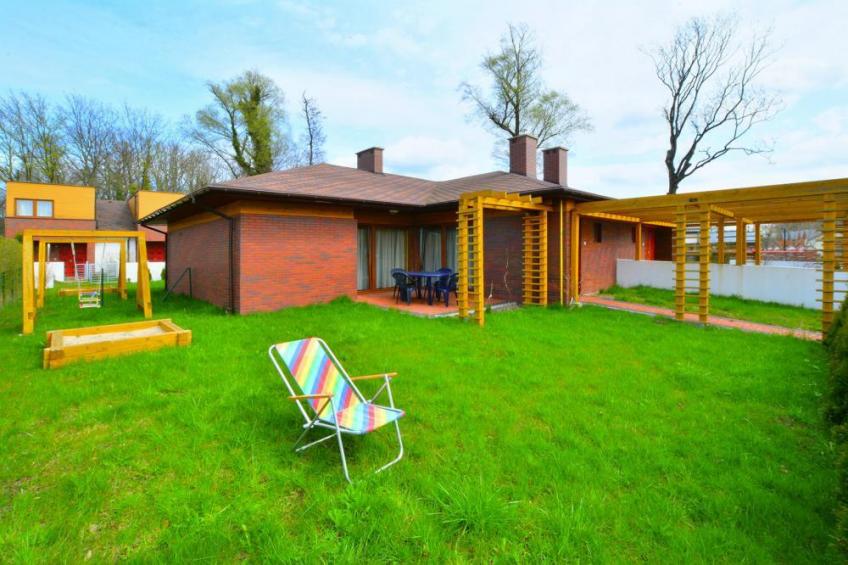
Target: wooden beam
pixel 83 236
pixel 574 268
pixel 828 260
pixel 720 245
pixel 679 248
pixel 704 267
pixel 638 233
pixel 479 266
pixel 462 264
pixel 624 218
pixel 718 210
pixel 758 245
pixel 42 272
pixel 143 283
pixel 741 243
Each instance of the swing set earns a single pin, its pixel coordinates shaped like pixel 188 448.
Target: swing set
pixel 88 296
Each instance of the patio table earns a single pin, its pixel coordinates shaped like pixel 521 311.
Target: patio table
pixel 427 276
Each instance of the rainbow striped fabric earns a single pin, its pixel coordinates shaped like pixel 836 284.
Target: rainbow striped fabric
pixel 315 373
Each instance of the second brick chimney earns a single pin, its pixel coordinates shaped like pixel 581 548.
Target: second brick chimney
pixel 522 155
pixel 555 165
pixel 370 160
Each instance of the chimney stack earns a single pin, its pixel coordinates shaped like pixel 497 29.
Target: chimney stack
pixel 522 155
pixel 555 165
pixel 370 160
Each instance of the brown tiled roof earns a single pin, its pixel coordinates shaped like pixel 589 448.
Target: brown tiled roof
pixel 333 182
pixel 113 215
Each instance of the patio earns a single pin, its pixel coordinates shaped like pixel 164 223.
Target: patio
pixel 385 300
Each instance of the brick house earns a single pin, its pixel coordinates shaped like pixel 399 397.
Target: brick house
pixel 56 206
pixel 311 234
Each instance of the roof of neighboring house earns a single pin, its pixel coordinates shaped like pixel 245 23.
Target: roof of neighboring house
pixel 334 182
pixel 113 215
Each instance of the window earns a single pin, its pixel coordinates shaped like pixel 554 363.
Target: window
pixel 44 209
pixel 431 248
pixel 26 207
pixel 598 231
pixel 23 207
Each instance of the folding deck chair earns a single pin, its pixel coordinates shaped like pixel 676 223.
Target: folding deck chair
pixel 332 400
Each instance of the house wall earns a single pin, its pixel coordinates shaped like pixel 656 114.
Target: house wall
pixel 69 202
pixel 598 260
pixel 294 260
pixel 14 226
pixel 205 248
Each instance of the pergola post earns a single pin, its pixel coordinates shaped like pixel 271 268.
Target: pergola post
pixel 704 266
pixel 637 232
pixel 741 243
pixel 574 268
pixel 42 271
pixel 720 245
pixel 828 260
pixel 758 245
pixel 679 251
pixel 27 281
pixel 122 271
pixel 462 260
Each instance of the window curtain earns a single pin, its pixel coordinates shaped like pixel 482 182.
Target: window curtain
pixel 450 243
pixel 431 248
pixel 391 254
pixel 362 250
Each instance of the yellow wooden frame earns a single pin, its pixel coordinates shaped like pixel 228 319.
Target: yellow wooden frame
pixel 824 200
pixel 32 301
pixel 471 252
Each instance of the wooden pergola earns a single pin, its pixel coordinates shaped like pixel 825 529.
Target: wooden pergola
pixel 32 300
pixel 470 248
pixel 823 201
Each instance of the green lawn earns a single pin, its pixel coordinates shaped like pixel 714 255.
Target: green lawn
pixel 549 434
pixel 727 306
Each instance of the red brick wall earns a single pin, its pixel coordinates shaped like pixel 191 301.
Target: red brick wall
pixel 504 257
pixel 204 248
pixel 14 226
pixel 597 260
pixel 294 260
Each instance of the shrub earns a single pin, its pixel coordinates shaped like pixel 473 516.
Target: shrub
pixel 837 414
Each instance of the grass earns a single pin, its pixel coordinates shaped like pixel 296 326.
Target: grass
pixel 552 434
pixel 727 306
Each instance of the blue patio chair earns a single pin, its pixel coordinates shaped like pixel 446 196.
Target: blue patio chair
pixel 404 285
pixel 395 288
pixel 445 288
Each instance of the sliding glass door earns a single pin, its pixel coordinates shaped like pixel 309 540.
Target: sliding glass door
pixel 450 248
pixel 389 253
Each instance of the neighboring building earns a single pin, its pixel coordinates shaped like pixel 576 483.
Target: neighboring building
pixel 310 234
pixel 57 206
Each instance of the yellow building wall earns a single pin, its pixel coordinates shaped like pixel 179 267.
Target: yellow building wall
pixel 69 202
pixel 145 202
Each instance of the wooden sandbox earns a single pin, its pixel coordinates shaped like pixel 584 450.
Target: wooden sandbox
pixel 97 342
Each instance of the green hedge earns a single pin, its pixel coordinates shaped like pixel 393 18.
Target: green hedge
pixel 10 270
pixel 836 412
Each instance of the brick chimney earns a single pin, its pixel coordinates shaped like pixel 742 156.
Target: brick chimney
pixel 370 160
pixel 555 165
pixel 522 155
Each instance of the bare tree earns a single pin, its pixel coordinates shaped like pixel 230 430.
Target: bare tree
pixel 45 124
pixel 177 168
pixel 313 138
pixel 90 138
pixel 713 101
pixel 18 142
pixel 518 101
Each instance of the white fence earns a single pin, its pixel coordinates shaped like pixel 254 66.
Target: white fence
pixel 795 286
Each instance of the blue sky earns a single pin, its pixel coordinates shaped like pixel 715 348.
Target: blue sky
pixel 387 74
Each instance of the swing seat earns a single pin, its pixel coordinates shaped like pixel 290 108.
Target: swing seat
pixel 89 300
